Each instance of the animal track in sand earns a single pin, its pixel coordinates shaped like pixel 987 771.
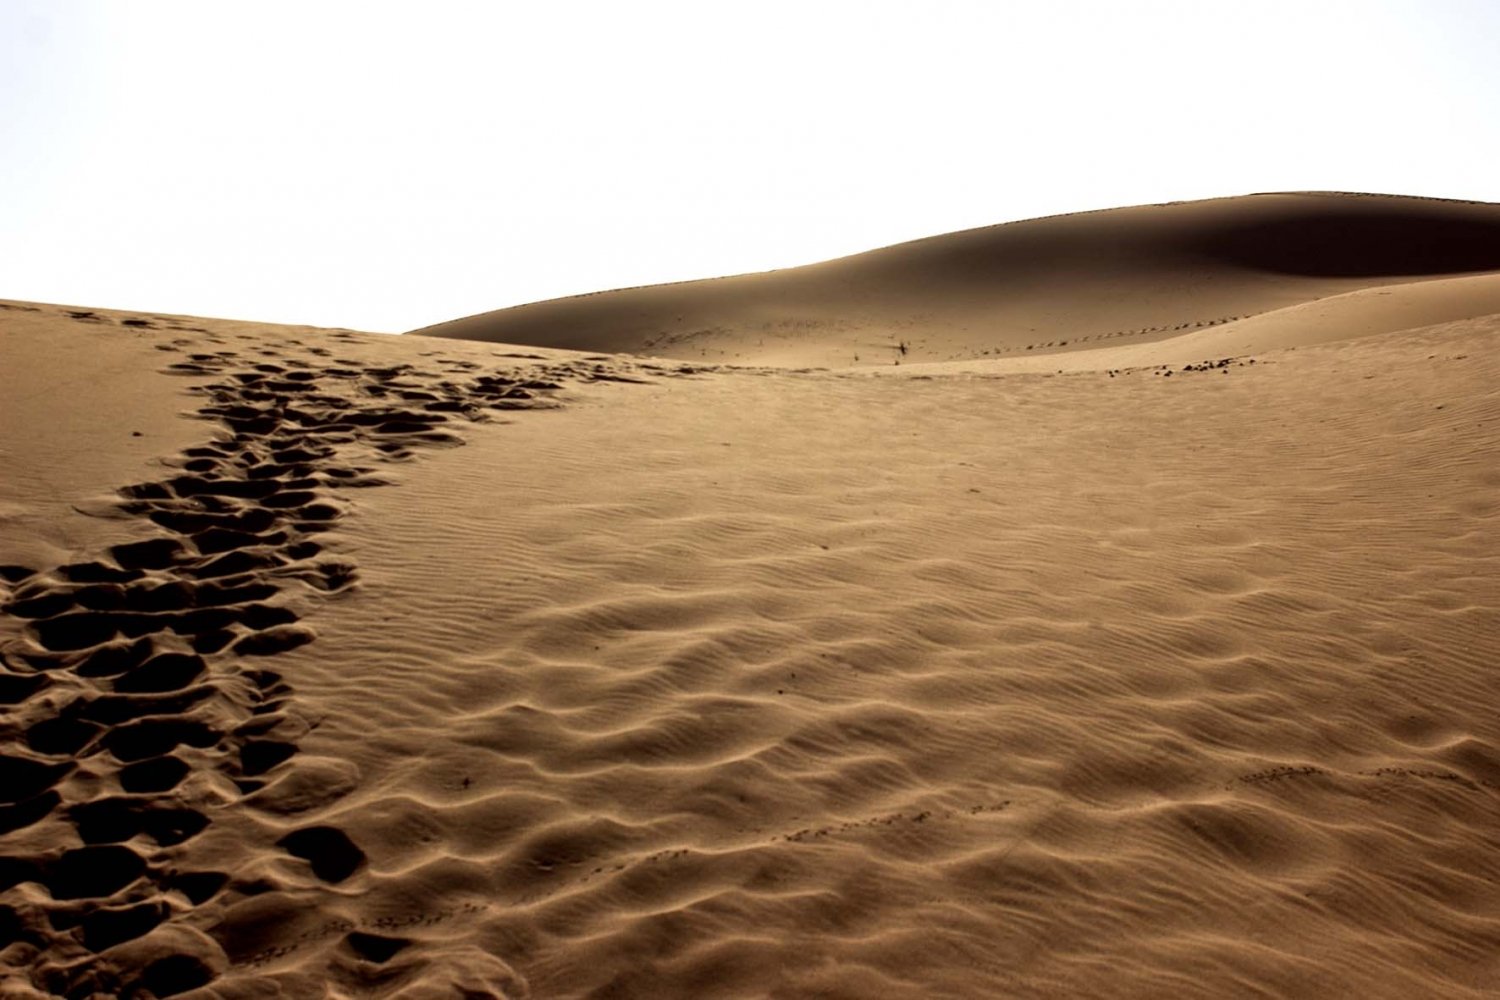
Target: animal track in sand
pixel 804 836
pixel 922 816
pixel 1276 775
pixel 132 665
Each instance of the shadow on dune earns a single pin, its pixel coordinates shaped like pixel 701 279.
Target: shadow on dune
pixel 1391 241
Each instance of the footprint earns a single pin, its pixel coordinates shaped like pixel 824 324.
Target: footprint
pixel 16 688
pixel 24 814
pixel 112 709
pixel 234 564
pixel 330 852
pixel 158 774
pixel 259 756
pixel 375 948
pixel 115 820
pixel 73 632
pixel 274 640
pixel 154 553
pixel 106 928
pixel 97 572
pixel 41 603
pixel 155 737
pixel 22 778
pixel 198 887
pixel 208 643
pixel 165 672
pixel 61 736
pixel 115 658
pixel 214 540
pixel 92 872
pixel 12 573
pixel 167 977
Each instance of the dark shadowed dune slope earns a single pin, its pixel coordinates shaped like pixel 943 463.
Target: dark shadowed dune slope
pixel 1141 273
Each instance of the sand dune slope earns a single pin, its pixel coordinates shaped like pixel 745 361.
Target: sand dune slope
pixel 1366 312
pixel 710 682
pixel 1130 275
pixel 142 734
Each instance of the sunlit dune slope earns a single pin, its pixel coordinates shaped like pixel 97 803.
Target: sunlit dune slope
pixel 342 665
pixel 1128 275
pixel 1365 312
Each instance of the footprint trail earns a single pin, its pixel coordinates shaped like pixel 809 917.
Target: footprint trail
pixel 133 703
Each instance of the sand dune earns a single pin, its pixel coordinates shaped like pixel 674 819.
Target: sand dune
pixel 411 667
pixel 1362 313
pixel 1130 275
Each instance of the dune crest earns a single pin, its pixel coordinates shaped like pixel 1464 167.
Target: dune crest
pixel 1121 276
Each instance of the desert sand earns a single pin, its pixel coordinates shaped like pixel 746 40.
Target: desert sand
pixel 647 644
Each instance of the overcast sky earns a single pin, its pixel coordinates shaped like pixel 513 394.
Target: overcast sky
pixel 383 166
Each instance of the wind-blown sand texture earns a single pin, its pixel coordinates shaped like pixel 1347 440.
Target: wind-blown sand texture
pixel 1162 667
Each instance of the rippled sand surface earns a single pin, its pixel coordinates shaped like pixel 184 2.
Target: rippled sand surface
pixel 404 667
pixel 802 685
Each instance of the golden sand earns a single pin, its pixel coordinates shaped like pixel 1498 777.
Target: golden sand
pixel 414 667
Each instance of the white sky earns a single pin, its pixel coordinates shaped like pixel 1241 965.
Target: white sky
pixel 384 166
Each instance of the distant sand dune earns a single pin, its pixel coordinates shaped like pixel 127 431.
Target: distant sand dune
pixel 1067 282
